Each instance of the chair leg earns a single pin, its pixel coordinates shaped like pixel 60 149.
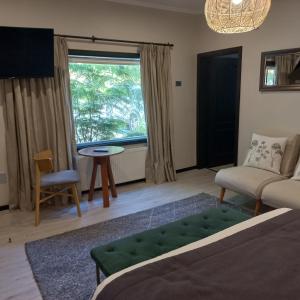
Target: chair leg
pixel 222 194
pixel 37 204
pixel 258 207
pixel 76 199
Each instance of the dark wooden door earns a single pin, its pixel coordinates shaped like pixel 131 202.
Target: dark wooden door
pixel 218 107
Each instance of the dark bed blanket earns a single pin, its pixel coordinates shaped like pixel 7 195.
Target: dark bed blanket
pixel 260 263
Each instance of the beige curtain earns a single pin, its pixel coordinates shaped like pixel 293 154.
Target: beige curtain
pixel 157 92
pixel 38 116
pixel 285 66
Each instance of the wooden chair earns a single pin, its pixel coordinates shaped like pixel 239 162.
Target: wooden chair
pixel 46 181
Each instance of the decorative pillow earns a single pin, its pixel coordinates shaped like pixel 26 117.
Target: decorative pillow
pixel 297 172
pixel 266 153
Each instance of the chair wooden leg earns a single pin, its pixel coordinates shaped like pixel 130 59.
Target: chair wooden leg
pixel 37 204
pixel 76 199
pixel 222 194
pixel 258 207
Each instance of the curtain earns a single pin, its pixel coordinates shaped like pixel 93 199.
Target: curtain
pixel 38 116
pixel 296 60
pixel 285 66
pixel 157 92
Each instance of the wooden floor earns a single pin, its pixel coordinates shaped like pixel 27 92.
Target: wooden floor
pixel 16 228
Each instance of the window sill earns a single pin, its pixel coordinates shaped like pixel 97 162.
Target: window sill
pixel 116 142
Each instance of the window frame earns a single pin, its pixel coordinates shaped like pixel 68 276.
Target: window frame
pixel 107 54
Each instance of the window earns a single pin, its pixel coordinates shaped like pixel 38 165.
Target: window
pixel 270 72
pixel 107 101
pixel 271 76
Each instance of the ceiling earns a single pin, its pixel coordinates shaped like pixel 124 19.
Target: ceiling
pixel 185 6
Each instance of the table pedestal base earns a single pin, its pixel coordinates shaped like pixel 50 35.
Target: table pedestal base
pixel 107 179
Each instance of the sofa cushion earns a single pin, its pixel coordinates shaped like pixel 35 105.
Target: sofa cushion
pixel 266 153
pixel 246 180
pixel 283 194
pixel 291 155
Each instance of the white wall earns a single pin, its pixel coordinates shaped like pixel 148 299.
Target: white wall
pixel 105 19
pixel 268 111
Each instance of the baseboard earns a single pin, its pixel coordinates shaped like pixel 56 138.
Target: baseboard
pixel 186 169
pixel 144 179
pixel 131 182
pixel 120 184
pixel 4 207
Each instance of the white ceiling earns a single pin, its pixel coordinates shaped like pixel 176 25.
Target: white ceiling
pixel 186 6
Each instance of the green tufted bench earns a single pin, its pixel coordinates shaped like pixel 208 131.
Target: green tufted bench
pixel 148 244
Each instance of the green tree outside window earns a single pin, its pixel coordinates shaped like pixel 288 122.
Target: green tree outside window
pixel 107 101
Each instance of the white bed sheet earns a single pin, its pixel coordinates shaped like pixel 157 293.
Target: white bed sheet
pixel 201 243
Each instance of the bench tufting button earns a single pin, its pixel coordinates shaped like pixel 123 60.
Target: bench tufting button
pixel 133 253
pixel 183 234
pixel 162 232
pixel 111 249
pixel 224 210
pixel 205 217
pixel 185 224
pixel 205 227
pixel 138 240
pixel 159 243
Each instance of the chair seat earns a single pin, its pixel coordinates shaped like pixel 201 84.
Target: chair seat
pixel 283 194
pixel 246 180
pixel 60 178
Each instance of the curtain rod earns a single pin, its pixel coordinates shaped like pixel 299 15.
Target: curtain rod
pixel 94 39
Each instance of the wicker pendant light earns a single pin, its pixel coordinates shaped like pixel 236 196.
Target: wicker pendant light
pixel 235 16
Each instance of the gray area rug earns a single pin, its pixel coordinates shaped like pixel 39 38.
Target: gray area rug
pixel 61 264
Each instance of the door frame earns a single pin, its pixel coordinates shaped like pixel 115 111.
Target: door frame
pixel 201 137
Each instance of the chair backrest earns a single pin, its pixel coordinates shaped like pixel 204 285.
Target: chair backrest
pixel 44 161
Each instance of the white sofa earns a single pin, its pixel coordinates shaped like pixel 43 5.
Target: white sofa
pixel 283 193
pixel 265 186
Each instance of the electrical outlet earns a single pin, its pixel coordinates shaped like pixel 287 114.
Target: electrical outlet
pixel 3 178
pixel 178 83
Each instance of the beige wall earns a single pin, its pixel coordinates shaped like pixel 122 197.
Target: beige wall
pixel 259 111
pixel 105 19
pixel 269 111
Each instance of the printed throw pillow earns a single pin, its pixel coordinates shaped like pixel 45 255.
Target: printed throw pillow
pixel 266 153
pixel 297 172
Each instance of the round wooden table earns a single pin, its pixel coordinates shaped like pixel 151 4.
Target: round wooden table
pixel 102 159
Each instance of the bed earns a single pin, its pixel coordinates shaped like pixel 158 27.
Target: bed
pixel 253 259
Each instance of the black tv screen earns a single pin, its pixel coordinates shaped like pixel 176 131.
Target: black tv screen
pixel 26 52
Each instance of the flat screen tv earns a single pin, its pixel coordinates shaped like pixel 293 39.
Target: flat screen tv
pixel 26 52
